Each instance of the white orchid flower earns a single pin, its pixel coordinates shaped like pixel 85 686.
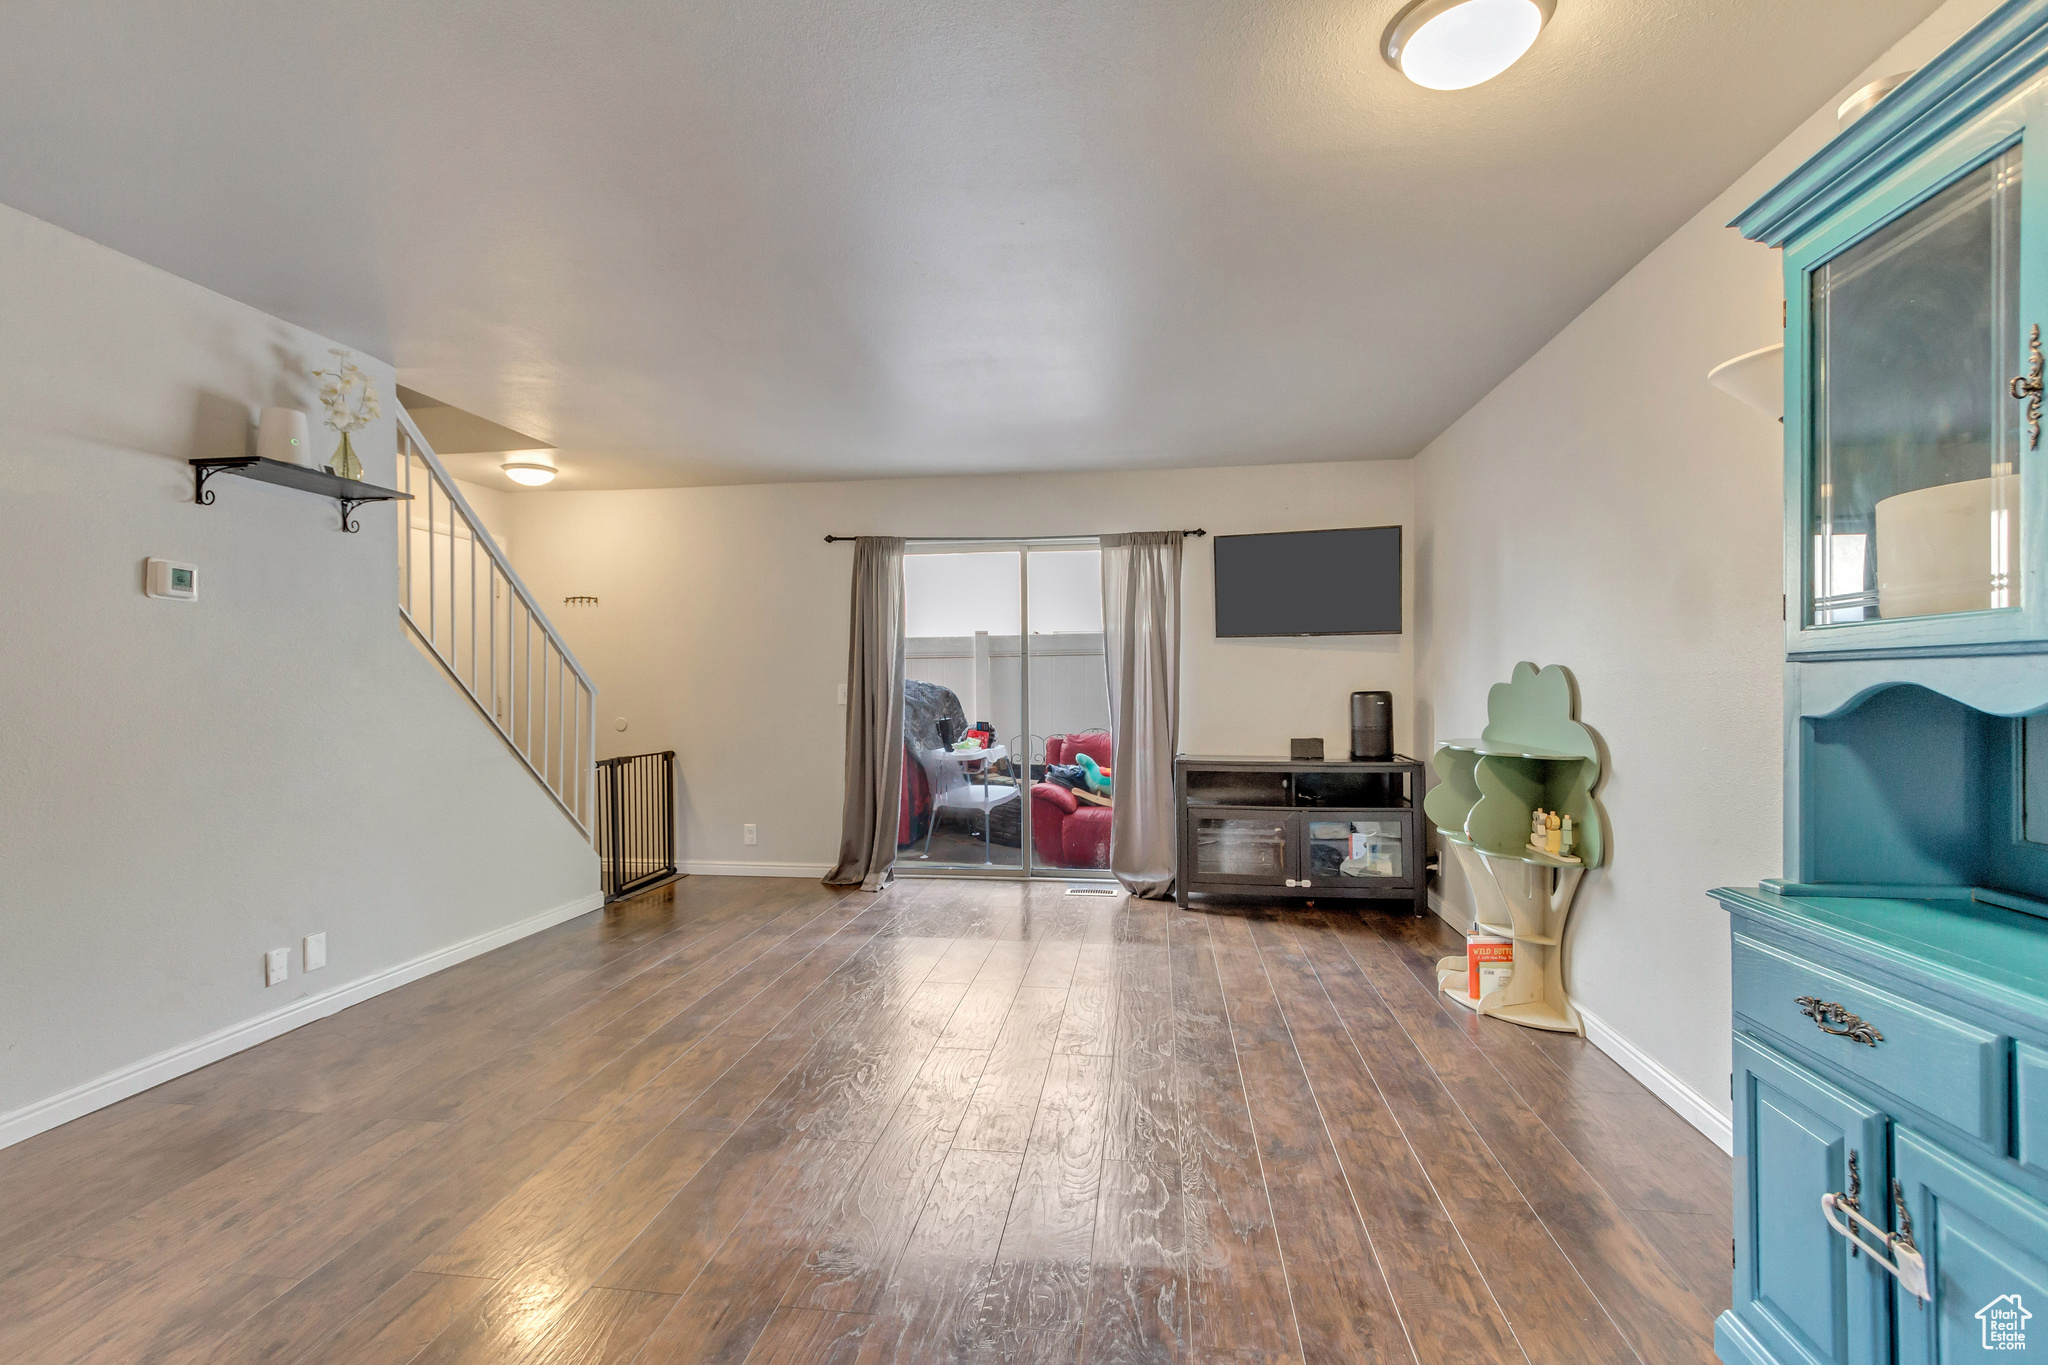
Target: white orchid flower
pixel 347 393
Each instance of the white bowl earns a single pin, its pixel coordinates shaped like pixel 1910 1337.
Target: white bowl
pixel 1953 547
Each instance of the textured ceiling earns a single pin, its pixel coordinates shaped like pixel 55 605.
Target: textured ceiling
pixel 737 242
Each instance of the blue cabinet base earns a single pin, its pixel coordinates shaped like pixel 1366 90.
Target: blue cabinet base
pixel 1737 1345
pixel 1880 1037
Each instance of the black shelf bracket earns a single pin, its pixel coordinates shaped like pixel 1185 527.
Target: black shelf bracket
pixel 348 512
pixel 202 470
pixel 349 493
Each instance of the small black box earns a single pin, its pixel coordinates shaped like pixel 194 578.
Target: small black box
pixel 1299 749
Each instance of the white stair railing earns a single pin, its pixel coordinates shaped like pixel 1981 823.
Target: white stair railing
pixel 463 603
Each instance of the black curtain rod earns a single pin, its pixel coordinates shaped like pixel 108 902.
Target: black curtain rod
pixel 1001 540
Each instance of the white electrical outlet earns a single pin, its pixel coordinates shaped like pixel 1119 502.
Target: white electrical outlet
pixel 277 965
pixel 751 835
pixel 842 694
pixel 315 951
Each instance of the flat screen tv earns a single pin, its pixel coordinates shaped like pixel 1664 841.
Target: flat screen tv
pixel 1310 583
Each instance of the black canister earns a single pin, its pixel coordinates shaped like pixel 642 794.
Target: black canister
pixel 1372 726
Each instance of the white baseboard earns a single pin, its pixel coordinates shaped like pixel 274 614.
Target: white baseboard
pixel 810 870
pixel 43 1115
pixel 1689 1104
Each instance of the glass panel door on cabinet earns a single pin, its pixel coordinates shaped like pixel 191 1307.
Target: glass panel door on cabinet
pixel 1356 848
pixel 1242 848
pixel 1913 494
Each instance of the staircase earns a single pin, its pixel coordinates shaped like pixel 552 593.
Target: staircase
pixel 464 605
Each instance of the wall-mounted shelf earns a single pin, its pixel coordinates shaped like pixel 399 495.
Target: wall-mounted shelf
pixel 1757 378
pixel 350 493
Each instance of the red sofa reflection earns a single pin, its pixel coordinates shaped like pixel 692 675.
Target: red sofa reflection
pixel 1066 831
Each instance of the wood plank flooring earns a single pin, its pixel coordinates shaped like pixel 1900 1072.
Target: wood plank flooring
pixel 759 1120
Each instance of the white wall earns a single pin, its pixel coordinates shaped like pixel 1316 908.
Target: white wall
pixel 489 504
pixel 1606 509
pixel 722 617
pixel 183 786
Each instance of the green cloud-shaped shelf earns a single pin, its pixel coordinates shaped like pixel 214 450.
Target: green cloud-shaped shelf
pixel 1533 754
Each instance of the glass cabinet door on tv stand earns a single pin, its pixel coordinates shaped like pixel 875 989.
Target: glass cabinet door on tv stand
pixel 1243 847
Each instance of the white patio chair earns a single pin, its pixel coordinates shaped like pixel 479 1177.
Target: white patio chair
pixel 953 789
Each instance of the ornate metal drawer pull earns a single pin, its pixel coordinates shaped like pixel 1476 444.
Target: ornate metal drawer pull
pixel 2028 386
pixel 1852 1198
pixel 1904 1236
pixel 1827 1013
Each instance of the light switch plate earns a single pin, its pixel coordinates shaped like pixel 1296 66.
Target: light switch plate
pixel 750 834
pixel 276 965
pixel 316 951
pixel 842 694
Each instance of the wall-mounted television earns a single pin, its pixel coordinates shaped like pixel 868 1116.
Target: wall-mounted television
pixel 1344 582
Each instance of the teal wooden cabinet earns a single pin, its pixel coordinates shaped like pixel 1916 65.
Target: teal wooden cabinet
pixel 1916 278
pixel 1891 993
pixel 1799 1294
pixel 1863 1025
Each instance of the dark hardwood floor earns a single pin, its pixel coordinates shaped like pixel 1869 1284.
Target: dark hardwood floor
pixel 742 1119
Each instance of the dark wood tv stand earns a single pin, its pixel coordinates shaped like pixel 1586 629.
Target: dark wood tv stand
pixel 1279 827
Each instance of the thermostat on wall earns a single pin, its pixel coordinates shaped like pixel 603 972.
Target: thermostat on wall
pixel 179 582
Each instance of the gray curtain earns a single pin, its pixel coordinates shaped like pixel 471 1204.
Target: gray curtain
pixel 1141 650
pixel 874 716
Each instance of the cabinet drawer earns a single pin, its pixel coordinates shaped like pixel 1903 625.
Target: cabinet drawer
pixel 2030 1099
pixel 1949 1069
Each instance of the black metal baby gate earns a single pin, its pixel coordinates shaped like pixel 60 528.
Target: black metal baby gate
pixel 636 821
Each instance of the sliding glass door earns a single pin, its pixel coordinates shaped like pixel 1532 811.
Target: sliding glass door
pixel 1068 705
pixel 963 696
pixel 1006 710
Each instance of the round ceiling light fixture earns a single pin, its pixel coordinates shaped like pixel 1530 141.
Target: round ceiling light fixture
pixel 1456 44
pixel 530 467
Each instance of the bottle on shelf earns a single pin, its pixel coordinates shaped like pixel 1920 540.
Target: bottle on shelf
pixel 1552 835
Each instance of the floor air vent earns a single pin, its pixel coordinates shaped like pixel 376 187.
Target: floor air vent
pixel 1092 890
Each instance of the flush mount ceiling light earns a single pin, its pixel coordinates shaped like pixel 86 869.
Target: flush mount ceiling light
pixel 1454 44
pixel 530 467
